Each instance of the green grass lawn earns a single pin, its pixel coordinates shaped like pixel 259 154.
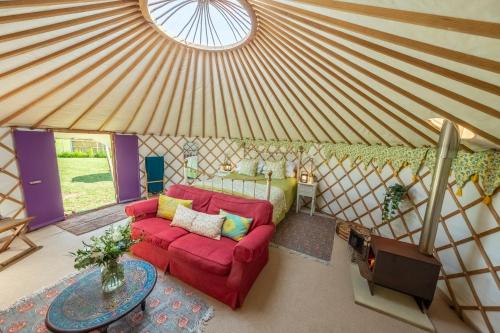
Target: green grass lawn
pixel 86 183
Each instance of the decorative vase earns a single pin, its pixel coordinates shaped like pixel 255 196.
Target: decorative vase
pixel 112 276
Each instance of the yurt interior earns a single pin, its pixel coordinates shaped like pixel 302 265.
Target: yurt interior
pixel 249 166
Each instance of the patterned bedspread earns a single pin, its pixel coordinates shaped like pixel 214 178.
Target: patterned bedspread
pixel 249 189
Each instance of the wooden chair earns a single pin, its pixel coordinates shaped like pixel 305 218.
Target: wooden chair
pixel 18 228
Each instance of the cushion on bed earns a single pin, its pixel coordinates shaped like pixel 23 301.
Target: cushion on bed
pixel 248 167
pixel 277 167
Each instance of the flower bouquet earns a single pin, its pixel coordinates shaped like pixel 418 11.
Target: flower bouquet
pixel 104 251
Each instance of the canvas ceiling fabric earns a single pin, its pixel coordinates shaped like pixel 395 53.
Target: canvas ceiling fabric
pixel 346 72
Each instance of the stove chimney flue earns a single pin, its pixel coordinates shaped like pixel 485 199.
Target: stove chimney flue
pixel 448 144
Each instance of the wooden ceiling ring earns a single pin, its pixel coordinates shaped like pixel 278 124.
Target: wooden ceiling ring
pixel 467 26
pixel 184 88
pixel 51 41
pixel 311 89
pixel 161 65
pixel 62 11
pixel 60 69
pixel 216 61
pixel 250 80
pixel 254 69
pixel 168 109
pixel 143 5
pixel 308 55
pixel 272 38
pixel 134 86
pixel 71 48
pixel 270 71
pixel 148 38
pixel 438 51
pixel 231 96
pixel 78 76
pixel 396 88
pixel 66 24
pixel 405 58
pixel 240 78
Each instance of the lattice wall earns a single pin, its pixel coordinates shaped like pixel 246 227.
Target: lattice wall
pixel 468 240
pixel 11 197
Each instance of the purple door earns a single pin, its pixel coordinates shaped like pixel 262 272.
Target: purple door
pixel 36 156
pixel 127 167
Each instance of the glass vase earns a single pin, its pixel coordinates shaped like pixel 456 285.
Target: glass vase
pixel 112 276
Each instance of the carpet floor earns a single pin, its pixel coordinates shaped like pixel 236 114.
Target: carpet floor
pixel 86 222
pixel 309 235
pixel 291 295
pixel 169 308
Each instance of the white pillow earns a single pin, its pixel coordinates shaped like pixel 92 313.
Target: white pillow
pixel 290 168
pixel 183 217
pixel 261 166
pixel 208 225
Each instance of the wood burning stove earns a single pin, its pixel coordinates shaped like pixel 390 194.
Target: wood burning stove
pixel 400 266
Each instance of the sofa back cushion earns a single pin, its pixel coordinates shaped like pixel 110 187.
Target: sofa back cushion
pixel 201 198
pixel 261 211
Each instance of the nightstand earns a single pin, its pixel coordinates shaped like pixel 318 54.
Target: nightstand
pixel 307 190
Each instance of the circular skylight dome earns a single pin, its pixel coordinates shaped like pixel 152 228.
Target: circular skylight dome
pixel 204 24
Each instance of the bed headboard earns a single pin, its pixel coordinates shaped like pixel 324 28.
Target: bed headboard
pixel 274 153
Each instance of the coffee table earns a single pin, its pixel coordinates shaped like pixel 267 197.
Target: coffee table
pixel 83 307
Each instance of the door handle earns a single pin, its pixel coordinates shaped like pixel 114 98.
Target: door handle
pixel 35 182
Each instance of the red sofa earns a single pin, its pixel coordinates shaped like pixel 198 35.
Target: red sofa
pixel 224 269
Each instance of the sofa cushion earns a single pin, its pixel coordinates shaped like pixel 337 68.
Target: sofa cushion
pixel 261 211
pixel 201 198
pixel 168 205
pixel 214 256
pixel 157 231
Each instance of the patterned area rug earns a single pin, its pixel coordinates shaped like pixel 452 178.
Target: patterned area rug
pixel 86 222
pixel 309 235
pixel 169 308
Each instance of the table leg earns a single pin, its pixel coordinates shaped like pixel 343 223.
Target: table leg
pixel 143 305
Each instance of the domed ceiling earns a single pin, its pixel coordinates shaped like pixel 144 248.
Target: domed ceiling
pixel 356 72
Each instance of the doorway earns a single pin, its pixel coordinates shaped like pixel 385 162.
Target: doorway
pixel 85 170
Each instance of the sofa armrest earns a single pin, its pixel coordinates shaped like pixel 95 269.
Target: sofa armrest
pixel 254 244
pixel 142 209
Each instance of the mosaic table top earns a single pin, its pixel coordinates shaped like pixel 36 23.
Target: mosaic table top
pixel 83 306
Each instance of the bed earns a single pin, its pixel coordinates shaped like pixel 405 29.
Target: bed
pixel 281 193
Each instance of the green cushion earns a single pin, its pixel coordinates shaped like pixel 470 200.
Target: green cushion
pixel 235 227
pixel 248 167
pixel 278 169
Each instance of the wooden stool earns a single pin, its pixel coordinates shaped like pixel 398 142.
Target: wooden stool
pixel 18 228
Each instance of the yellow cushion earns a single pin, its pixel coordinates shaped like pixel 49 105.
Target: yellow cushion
pixel 168 205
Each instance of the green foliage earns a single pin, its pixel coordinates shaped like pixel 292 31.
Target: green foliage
pixel 105 249
pixel 79 154
pixel 392 198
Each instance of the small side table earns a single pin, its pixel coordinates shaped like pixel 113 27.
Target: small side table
pixel 307 190
pixel 18 228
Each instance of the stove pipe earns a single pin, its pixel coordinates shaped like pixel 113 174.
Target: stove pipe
pixel 449 140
